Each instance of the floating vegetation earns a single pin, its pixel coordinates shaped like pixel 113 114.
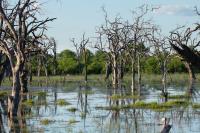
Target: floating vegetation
pixel 72 121
pixel 196 106
pixel 117 96
pixel 176 103
pixel 88 92
pixel 160 107
pixel 41 93
pixel 72 109
pixel 116 108
pixel 181 96
pixel 46 121
pixel 82 115
pixel 62 102
pixel 28 102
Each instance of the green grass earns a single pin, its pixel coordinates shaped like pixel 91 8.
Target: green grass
pixel 196 106
pixel 28 102
pixel 72 121
pixel 99 79
pixel 46 121
pixel 62 102
pixel 117 96
pixel 40 93
pixel 160 107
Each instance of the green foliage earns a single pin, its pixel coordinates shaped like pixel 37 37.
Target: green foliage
pixel 67 62
pixel 62 102
pixel 176 65
pixel 151 65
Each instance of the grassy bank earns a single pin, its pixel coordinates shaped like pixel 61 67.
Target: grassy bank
pixel 100 79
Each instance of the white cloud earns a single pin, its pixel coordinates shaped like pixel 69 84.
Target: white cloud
pixel 182 10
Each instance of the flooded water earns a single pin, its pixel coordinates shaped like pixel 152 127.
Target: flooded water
pixel 84 111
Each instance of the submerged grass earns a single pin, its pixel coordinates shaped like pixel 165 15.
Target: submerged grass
pixel 117 96
pixel 46 121
pixel 62 102
pixel 72 121
pixel 99 79
pixel 160 107
pixel 196 106
pixel 181 96
pixel 28 102
pixel 40 93
pixel 72 109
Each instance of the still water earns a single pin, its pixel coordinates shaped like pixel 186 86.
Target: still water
pixel 83 115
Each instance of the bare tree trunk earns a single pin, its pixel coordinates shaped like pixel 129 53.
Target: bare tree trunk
pixel 139 75
pixel 190 71
pixel 133 75
pixel 39 67
pixel 164 74
pixel 85 59
pixel 24 81
pixel 115 72
pixel 13 100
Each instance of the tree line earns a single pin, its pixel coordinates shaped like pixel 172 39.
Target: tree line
pixel 67 63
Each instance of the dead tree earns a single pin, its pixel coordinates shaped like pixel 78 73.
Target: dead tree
pixel 43 53
pixel 19 30
pixel 139 30
pixel 53 43
pixel 109 41
pixel 186 45
pixel 81 49
pixel 162 52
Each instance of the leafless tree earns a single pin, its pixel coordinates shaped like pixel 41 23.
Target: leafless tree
pixel 20 29
pixel 139 30
pixel 162 51
pixel 186 44
pixel 53 43
pixel 110 41
pixel 81 49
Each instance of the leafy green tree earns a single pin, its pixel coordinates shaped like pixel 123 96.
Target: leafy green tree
pixel 97 66
pixel 176 65
pixel 152 65
pixel 67 63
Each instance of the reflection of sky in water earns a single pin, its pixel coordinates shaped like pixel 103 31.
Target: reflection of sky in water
pixel 184 120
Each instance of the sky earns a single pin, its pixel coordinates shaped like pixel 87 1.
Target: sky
pixel 74 17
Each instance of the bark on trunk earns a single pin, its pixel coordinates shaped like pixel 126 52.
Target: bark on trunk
pixel 139 75
pixel 13 100
pixel 24 81
pixel 190 71
pixel 115 72
pixel 85 60
pixel 133 75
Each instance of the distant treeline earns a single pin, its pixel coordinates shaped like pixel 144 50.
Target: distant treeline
pixel 67 63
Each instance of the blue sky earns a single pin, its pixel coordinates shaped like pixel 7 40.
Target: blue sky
pixel 74 17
